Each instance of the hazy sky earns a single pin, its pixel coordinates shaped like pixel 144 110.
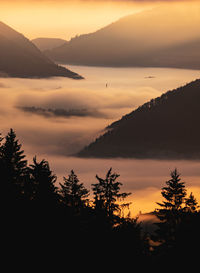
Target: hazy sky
pixel 67 18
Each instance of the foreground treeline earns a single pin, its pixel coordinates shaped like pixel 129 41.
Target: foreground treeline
pixel 38 208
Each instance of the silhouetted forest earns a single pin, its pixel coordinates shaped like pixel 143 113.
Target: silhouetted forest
pixel 165 127
pixel 64 217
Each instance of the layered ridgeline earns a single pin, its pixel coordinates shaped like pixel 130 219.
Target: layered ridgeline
pixel 19 57
pixel 47 43
pixel 165 127
pixel 160 37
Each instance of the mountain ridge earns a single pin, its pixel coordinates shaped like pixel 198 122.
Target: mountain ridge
pixel 21 58
pixel 135 40
pixel 164 128
pixel 47 43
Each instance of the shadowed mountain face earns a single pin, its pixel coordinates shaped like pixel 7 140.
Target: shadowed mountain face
pixel 21 58
pixel 47 43
pixel 165 127
pixel 153 38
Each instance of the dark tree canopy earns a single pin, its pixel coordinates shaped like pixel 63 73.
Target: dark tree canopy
pixel 73 193
pixel 191 203
pixel 177 215
pixel 174 193
pixel 107 193
pixel 40 210
pixel 171 208
pixel 13 165
pixel 43 180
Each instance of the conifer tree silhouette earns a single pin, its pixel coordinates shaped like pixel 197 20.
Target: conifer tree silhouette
pixel 174 193
pixel 13 166
pixel 73 193
pixel 171 212
pixel 191 203
pixel 106 193
pixel 45 193
pixel 37 204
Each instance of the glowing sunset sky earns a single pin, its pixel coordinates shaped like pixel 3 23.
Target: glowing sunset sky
pixel 67 18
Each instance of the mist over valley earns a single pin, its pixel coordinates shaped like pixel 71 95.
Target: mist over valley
pixel 30 106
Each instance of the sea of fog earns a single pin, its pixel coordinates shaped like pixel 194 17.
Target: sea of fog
pixel 54 118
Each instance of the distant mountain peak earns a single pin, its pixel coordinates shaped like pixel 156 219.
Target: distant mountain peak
pixel 48 43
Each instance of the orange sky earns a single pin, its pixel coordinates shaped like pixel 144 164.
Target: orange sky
pixel 62 19
pixel 65 18
pixel 68 18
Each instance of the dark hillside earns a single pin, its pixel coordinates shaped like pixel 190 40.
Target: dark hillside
pixel 21 58
pixel 165 127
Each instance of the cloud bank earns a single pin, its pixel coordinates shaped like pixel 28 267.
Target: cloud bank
pixel 58 137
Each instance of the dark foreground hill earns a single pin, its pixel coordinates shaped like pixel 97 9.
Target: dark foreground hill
pixel 155 38
pixel 165 127
pixel 21 58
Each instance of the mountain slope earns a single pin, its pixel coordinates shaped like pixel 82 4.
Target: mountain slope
pixel 182 55
pixel 165 127
pixel 149 38
pixel 47 43
pixel 21 58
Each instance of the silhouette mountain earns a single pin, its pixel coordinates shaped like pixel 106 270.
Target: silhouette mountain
pixel 155 38
pixel 165 127
pixel 47 43
pixel 21 58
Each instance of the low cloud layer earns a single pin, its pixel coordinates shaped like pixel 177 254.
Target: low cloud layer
pixel 58 137
pixel 75 99
pixel 62 113
pixel 60 116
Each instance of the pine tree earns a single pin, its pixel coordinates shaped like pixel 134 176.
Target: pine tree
pixel 45 193
pixel 191 203
pixel 107 193
pixel 174 193
pixel 13 167
pixel 73 193
pixel 171 212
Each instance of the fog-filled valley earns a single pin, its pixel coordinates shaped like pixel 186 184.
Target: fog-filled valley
pixel 56 118
pixel 99 135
